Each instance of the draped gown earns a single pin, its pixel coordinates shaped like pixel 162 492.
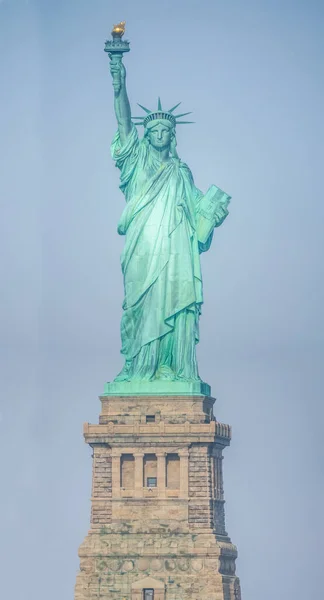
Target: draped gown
pixel 160 264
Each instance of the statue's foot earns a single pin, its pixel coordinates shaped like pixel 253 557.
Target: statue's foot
pixel 165 373
pixel 122 377
pixel 124 374
pixel 188 379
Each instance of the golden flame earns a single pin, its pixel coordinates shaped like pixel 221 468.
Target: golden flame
pixel 119 29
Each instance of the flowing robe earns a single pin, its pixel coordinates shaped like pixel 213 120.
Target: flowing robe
pixel 160 263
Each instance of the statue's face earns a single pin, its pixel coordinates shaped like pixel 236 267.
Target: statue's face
pixel 160 136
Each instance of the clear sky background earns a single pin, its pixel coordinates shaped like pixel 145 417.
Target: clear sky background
pixel 252 73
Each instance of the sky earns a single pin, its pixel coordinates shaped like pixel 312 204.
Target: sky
pixel 252 73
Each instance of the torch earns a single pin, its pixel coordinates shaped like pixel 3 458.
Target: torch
pixel 116 48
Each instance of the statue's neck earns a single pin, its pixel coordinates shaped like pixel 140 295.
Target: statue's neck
pixel 161 155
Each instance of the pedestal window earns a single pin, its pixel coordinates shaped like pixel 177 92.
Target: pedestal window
pixel 150 470
pixel 148 589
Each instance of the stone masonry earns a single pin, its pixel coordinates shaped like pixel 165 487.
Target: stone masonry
pixel 157 519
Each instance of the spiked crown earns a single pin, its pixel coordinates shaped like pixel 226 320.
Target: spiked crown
pixel 161 114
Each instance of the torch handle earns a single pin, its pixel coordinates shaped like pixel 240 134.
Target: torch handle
pixel 116 58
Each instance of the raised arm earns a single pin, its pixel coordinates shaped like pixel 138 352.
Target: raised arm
pixel 121 102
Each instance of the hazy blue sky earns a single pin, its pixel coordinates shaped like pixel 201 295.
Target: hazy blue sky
pixel 252 73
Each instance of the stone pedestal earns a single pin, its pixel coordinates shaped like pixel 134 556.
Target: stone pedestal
pixel 157 518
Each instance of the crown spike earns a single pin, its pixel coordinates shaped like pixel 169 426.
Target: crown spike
pixel 174 107
pixel 145 109
pixel 159 104
pixel 183 115
pixel 184 122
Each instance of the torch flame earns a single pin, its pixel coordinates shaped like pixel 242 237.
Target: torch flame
pixel 119 29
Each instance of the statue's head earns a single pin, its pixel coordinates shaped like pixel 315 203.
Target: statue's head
pixel 159 127
pixel 160 134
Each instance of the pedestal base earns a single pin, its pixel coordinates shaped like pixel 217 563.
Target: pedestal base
pixel 177 567
pixel 157 517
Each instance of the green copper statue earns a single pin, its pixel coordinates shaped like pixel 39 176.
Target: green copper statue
pixel 167 223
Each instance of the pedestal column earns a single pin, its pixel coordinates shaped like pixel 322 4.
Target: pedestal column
pixel 161 473
pixel 139 474
pixel 184 472
pixel 115 472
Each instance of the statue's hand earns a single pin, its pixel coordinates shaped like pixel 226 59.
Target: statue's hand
pixel 117 70
pixel 220 216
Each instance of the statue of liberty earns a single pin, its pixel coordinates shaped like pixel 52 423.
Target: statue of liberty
pixel 164 224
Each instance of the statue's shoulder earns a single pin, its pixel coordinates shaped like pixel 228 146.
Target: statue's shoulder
pixel 186 170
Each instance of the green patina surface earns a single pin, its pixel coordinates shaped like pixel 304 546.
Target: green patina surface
pixel 157 388
pixel 167 223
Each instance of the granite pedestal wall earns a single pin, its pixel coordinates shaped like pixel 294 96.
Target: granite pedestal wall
pixel 157 518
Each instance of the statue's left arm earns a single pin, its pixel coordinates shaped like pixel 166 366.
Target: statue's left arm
pixel 204 223
pixel 218 219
